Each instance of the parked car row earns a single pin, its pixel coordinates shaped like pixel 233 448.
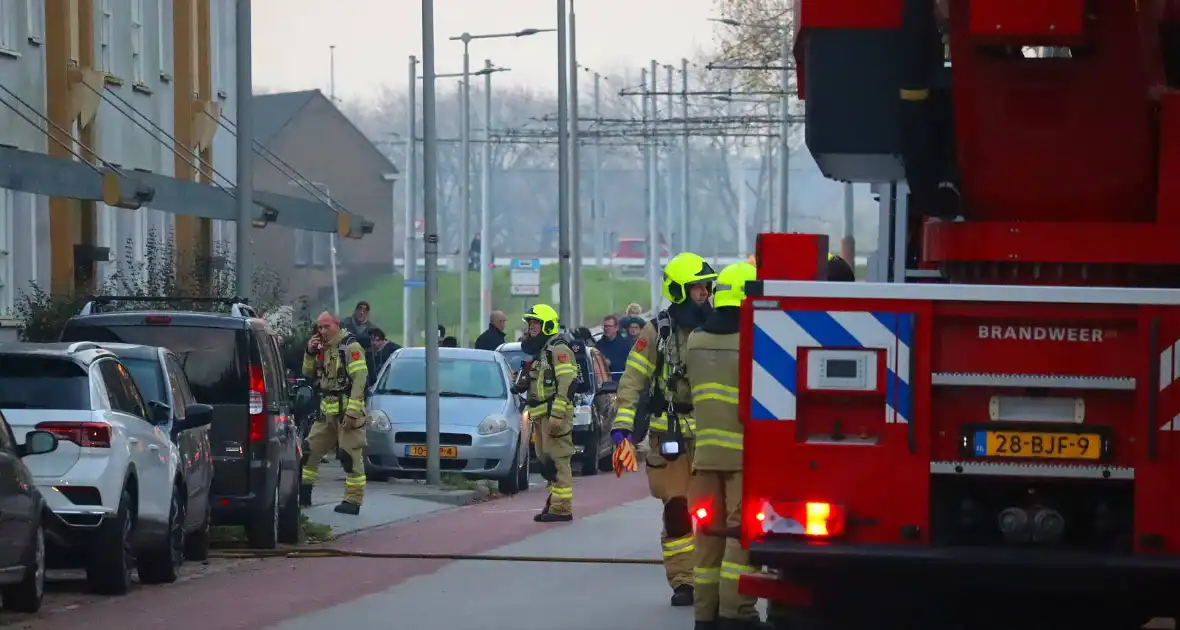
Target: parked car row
pixel 121 446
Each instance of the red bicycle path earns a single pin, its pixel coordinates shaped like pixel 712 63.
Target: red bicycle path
pixel 263 593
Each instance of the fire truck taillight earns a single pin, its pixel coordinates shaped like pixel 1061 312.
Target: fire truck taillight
pixel 813 519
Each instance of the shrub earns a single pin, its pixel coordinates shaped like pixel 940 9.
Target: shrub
pixel 165 271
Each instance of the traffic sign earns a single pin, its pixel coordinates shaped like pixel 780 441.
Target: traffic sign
pixel 525 277
pixel 419 227
pixel 416 284
pixel 551 229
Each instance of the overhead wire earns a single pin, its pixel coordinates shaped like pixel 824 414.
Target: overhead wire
pixel 60 130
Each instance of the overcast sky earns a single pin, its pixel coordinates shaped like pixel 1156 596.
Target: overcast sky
pixel 374 39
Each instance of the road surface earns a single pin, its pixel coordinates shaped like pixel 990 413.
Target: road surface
pixel 614 517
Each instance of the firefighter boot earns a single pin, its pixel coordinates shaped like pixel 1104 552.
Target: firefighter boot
pixel 682 595
pixel 347 507
pixel 705 625
pixel 305 494
pixel 743 624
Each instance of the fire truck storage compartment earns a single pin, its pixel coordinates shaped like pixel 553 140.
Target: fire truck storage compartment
pixel 841 395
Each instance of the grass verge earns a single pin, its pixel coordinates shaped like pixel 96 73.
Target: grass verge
pixel 231 536
pixel 602 295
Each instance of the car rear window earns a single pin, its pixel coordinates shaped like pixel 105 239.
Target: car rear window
pixel 211 357
pixel 148 376
pixel 32 382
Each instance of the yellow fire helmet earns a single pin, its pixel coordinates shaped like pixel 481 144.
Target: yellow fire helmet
pixel 684 269
pixel 546 315
pixel 730 289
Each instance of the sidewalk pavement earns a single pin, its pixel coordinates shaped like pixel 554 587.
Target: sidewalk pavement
pixel 385 501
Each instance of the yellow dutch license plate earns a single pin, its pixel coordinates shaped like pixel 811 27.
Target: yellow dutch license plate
pixel 1039 445
pixel 419 450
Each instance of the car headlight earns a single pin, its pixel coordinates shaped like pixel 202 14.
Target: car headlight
pixel 493 424
pixel 379 421
pixel 582 415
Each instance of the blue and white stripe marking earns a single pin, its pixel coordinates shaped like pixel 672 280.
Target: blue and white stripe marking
pixel 778 336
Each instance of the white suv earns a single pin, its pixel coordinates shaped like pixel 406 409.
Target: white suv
pixel 110 482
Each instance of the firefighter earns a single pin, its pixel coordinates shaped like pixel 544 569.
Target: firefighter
pixel 715 490
pixel 548 380
pixel 336 362
pixel 656 360
pixel 839 270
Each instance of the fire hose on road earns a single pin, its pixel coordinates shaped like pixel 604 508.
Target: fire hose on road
pixel 342 553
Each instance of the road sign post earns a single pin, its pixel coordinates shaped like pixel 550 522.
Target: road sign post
pixel 525 277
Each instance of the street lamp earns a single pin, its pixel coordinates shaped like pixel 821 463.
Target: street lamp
pixel 784 162
pixel 323 188
pixel 465 185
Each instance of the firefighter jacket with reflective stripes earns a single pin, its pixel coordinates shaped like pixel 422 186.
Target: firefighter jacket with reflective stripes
pixel 712 364
pixel 551 382
pixel 640 373
pixel 340 372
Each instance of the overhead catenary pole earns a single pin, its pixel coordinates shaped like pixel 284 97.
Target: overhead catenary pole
pixel 596 183
pixel 848 243
pixel 485 206
pixel 430 240
pixel 670 225
pixel 465 187
pixel 563 158
pixel 244 265
pixel 784 160
pixel 332 236
pixel 575 168
pixel 409 253
pixel 653 193
pixel 685 187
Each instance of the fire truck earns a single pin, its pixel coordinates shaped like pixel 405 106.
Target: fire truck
pixel 987 434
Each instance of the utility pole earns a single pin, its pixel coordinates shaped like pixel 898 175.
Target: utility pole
pixel 331 237
pixel 685 188
pixel 430 240
pixel 465 188
pixel 575 180
pixel 243 264
pixel 563 166
pixel 485 206
pixel 653 191
pixel 670 225
pixel 848 244
pixel 410 256
pixel 599 238
pixel 784 160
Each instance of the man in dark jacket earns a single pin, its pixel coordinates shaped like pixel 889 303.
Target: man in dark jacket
pixel 613 346
pixel 380 353
pixel 493 337
pixel 359 324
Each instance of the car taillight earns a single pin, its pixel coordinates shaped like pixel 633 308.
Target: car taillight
pixel 84 434
pixel 815 519
pixel 157 319
pixel 257 405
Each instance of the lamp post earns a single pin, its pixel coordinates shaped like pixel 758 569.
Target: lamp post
pixel 465 184
pixel 430 241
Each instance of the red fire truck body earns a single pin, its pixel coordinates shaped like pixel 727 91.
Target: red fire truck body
pixel 998 443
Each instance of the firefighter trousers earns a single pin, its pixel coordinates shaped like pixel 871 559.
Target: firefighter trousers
pixel 720 559
pixel 668 482
pixel 326 434
pixel 554 453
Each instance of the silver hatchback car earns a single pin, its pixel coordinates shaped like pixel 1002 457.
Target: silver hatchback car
pixel 482 431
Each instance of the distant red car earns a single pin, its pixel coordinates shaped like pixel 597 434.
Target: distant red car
pixel 637 248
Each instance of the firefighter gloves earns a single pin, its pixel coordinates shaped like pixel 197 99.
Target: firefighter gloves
pixel 624 458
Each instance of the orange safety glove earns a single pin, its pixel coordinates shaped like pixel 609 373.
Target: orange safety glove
pixel 624 458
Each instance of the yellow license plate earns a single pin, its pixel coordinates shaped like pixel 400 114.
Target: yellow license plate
pixel 1038 445
pixel 419 450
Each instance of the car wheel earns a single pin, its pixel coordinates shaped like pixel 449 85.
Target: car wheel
pixel 108 569
pixel 26 596
pixel 196 545
pixel 162 565
pixel 589 459
pixel 510 484
pixel 290 520
pixel 522 476
pixel 263 531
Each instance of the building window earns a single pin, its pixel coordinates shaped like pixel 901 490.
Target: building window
pixel 106 38
pixel 302 248
pixel 217 13
pixel 8 22
pixel 35 20
pixel 319 251
pixel 7 265
pixel 164 18
pixel 138 63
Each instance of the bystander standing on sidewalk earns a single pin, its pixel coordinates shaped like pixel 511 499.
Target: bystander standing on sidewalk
pixel 359 324
pixel 494 336
pixel 613 346
pixel 382 349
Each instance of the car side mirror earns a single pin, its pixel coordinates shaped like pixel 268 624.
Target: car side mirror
pixel 197 415
pixel 159 412
pixel 303 398
pixel 38 443
pixel 609 387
